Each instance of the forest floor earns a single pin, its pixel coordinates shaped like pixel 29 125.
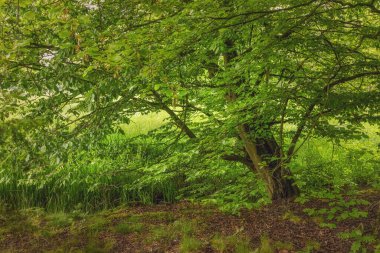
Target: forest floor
pixel 314 226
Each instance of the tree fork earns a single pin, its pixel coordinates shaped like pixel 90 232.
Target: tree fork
pixel 275 175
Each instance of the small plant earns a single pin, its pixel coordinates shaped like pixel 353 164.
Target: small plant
pixel 339 209
pixel 311 246
pixel 292 217
pixel 190 244
pixel 360 239
pixel 266 245
pixel 327 225
pixel 219 243
pixel 354 213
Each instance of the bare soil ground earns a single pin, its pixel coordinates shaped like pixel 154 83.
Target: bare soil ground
pixel 314 226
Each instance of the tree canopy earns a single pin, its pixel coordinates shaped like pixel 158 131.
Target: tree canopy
pixel 244 81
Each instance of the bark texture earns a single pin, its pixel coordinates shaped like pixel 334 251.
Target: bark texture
pixel 269 165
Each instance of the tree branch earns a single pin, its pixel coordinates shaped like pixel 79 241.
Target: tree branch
pixel 311 107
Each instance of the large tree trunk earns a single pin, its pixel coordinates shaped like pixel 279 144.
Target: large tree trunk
pixel 283 183
pixel 284 186
pixel 267 161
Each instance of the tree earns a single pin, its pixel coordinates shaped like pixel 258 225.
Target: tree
pixel 246 81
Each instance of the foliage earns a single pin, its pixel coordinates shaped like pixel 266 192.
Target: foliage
pixel 340 208
pixel 284 89
pixel 360 240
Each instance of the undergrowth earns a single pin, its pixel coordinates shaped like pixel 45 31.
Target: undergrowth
pixel 132 167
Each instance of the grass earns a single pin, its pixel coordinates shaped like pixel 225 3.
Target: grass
pixel 163 235
pixel 266 245
pixel 58 220
pixel 322 164
pixel 190 244
pixel 96 223
pixel 159 216
pixel 182 230
pixel 130 225
pixel 142 124
pixel 238 243
pixel 284 246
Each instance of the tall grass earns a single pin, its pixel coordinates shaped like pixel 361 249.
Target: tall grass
pixel 92 180
pixel 93 186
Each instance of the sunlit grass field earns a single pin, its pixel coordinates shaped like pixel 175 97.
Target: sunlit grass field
pixel 142 124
